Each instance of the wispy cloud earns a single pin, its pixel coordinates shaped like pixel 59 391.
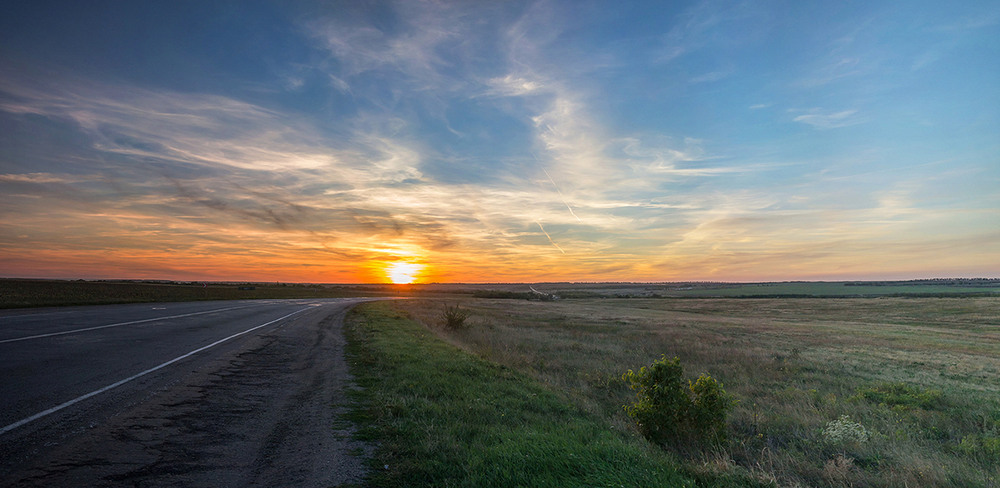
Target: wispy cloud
pixel 829 120
pixel 512 86
pixel 454 133
pixel 38 178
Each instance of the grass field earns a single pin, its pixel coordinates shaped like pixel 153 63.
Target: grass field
pixel 832 392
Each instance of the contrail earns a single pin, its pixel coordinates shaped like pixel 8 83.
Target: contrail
pixel 550 237
pixel 561 197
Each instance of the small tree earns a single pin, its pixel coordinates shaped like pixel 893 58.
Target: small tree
pixel 710 406
pixel 667 410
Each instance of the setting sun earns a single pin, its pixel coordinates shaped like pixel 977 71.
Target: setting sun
pixel 402 273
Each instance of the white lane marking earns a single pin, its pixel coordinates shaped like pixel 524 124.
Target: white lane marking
pixel 74 331
pixel 135 376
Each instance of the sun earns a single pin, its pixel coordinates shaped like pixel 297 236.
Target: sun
pixel 401 273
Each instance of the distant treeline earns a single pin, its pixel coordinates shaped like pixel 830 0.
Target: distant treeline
pixel 983 282
pixel 41 293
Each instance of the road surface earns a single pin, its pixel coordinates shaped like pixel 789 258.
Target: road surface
pixel 244 393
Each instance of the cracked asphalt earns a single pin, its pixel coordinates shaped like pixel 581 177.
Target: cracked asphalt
pixel 260 409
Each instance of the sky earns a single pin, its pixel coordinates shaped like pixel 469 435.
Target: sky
pixel 514 141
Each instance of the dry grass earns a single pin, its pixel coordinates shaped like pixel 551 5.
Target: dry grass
pixel 795 365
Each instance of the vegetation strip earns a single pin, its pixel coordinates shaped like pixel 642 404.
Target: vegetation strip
pixel 21 293
pixel 442 417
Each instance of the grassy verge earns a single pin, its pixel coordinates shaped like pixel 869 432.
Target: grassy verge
pixel 442 417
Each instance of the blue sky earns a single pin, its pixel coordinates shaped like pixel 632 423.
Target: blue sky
pixel 500 141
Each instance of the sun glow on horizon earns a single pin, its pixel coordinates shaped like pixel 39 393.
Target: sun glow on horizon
pixel 403 273
pixel 749 147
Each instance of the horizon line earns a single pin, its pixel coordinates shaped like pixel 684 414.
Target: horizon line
pixel 621 282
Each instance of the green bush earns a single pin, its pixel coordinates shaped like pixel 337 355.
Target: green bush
pixel 454 317
pixel 901 396
pixel 668 411
pixel 986 448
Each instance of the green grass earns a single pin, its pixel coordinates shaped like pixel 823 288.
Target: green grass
pixel 918 375
pixel 442 417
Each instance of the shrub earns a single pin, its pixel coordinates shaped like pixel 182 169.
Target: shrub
pixel 710 406
pixel 845 430
pixel 667 410
pixel 454 317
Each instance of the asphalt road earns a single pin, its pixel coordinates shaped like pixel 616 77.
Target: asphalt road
pixel 244 393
